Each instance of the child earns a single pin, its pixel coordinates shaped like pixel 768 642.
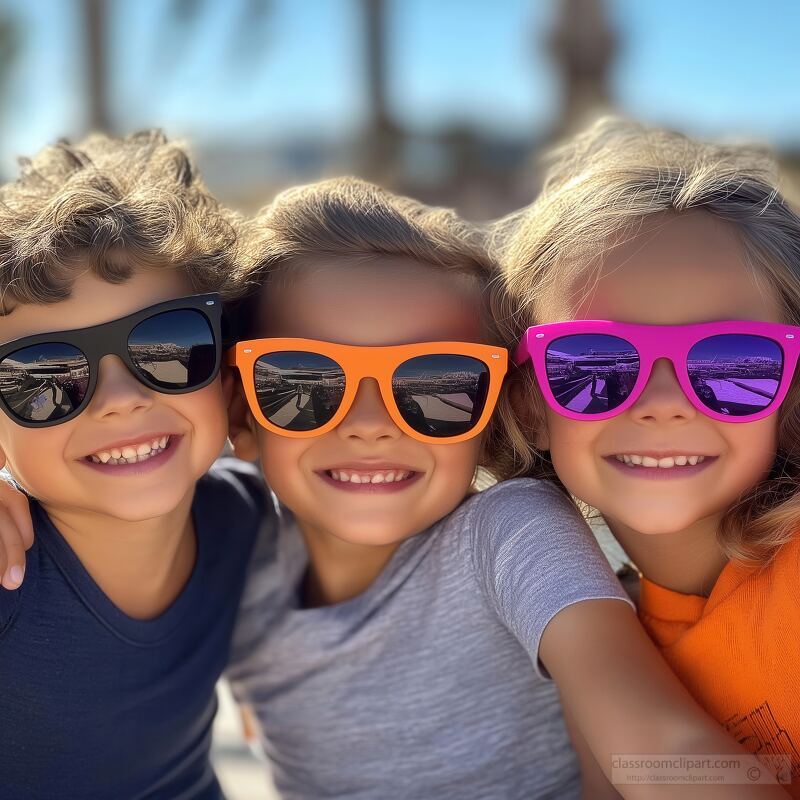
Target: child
pixel 392 639
pixel 112 411
pixel 391 635
pixel 671 270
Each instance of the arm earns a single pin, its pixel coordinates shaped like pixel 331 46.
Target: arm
pixel 16 534
pixel 594 784
pixel 624 699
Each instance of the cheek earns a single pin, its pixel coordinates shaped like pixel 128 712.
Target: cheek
pixel 26 450
pixel 752 449
pixel 280 458
pixel 574 453
pixel 456 463
pixel 207 411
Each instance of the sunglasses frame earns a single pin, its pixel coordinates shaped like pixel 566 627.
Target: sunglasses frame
pixel 380 363
pixel 653 342
pixel 111 338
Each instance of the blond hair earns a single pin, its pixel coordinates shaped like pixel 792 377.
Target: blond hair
pixel 348 218
pixel 599 190
pixel 111 204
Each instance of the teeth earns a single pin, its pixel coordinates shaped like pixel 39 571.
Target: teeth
pixel 663 463
pixel 392 476
pixel 130 454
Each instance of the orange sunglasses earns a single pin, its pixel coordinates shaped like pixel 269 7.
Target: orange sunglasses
pixel 433 391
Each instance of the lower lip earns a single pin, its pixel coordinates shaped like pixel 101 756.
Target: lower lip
pixel 370 488
pixel 140 467
pixel 660 473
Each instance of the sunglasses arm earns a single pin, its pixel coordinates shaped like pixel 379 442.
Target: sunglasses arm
pixel 521 352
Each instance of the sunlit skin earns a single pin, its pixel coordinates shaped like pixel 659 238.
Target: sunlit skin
pixel 680 269
pixel 129 529
pixel 352 534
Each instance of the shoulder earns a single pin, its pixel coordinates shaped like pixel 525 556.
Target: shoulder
pixel 534 504
pixel 233 495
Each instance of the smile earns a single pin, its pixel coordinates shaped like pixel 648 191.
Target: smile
pixel 369 476
pixel 636 465
pixel 668 462
pixel 376 480
pixel 133 453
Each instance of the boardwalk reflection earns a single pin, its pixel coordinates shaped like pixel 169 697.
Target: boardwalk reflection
pixel 599 374
pixel 436 395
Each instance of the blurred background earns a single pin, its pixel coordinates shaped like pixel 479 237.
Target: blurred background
pixel 447 100
pixel 450 101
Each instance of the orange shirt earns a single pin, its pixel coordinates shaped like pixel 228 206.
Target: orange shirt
pixel 738 651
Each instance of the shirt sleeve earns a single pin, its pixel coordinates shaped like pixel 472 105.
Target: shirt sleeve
pixel 533 555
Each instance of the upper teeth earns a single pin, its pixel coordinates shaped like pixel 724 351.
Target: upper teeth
pixel 372 476
pixel 131 453
pixel 664 463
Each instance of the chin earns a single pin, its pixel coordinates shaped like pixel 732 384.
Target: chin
pixel 144 508
pixel 655 524
pixel 373 535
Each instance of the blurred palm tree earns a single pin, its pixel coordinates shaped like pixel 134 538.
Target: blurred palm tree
pixel 9 49
pixel 382 136
pixel 182 20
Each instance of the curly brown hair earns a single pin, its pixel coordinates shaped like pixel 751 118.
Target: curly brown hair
pixel 112 204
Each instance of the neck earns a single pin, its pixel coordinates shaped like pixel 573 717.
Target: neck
pixel 340 570
pixel 141 566
pixel 687 561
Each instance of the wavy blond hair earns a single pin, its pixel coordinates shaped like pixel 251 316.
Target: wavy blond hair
pixel 600 188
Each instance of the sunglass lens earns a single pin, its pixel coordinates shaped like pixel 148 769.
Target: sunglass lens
pixel 735 374
pixel 591 373
pixel 44 382
pixel 298 391
pixel 174 350
pixel 441 395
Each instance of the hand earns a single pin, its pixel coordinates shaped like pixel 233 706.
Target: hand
pixel 16 534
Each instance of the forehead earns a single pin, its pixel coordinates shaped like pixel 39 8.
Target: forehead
pixel 678 269
pixel 93 300
pixel 379 300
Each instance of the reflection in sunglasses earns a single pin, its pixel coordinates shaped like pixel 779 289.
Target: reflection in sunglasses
pixel 435 395
pixel 587 379
pixel 44 384
pixel 590 380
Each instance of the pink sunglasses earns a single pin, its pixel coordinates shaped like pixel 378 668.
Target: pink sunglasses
pixel 596 369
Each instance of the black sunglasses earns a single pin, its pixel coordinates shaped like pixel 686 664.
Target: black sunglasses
pixel 172 347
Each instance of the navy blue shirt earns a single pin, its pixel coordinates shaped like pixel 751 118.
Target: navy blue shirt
pixel 95 704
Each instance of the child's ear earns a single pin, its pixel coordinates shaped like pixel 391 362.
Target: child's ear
pixel 228 376
pixel 241 425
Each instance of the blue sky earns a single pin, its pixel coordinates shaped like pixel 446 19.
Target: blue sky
pixel 711 67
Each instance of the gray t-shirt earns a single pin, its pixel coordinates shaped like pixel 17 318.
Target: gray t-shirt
pixel 428 684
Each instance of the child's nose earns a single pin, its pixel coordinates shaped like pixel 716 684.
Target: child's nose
pixel 117 390
pixel 663 399
pixel 368 418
